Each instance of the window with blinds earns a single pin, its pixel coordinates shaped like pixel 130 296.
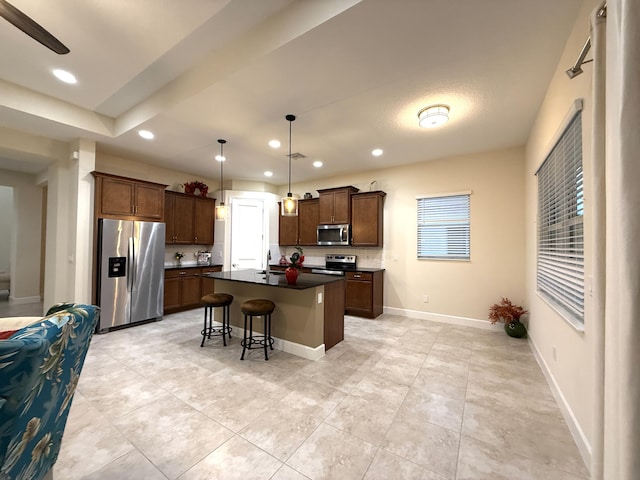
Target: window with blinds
pixel 560 262
pixel 443 227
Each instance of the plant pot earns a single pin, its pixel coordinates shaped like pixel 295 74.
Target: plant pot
pixel 515 329
pixel 291 274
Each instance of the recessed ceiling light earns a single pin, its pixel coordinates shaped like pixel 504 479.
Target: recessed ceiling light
pixel 376 152
pixel 64 76
pixel 317 164
pixel 274 143
pixel 146 134
pixel 268 173
pixel 221 158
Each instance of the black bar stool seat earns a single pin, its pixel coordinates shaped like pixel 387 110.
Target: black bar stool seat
pixel 257 307
pixel 210 302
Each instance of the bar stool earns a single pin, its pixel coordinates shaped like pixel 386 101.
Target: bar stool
pixel 257 307
pixel 210 302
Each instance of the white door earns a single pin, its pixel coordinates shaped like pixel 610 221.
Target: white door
pixel 247 233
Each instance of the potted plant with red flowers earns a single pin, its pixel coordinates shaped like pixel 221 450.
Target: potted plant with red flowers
pixel 508 313
pixel 291 272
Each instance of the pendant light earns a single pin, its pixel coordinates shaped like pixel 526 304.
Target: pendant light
pixel 289 203
pixel 221 208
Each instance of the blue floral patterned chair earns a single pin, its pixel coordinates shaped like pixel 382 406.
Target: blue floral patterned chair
pixel 39 369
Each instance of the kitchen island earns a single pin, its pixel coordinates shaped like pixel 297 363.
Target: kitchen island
pixel 309 315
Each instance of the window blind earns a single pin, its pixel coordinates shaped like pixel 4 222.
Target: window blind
pixel 443 227
pixel 560 261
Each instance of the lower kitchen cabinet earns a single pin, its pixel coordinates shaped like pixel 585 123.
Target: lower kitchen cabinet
pixel 183 287
pixel 364 293
pixel 208 283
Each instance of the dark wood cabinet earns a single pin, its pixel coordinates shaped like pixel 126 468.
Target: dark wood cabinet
pixel 204 217
pixel 367 219
pixel 364 293
pixel 335 205
pixel 308 222
pixel 189 219
pixel 208 284
pixel 181 289
pixel 302 229
pixel 184 287
pixel 127 198
pixel 287 229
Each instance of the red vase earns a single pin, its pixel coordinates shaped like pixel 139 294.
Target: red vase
pixel 301 259
pixel 291 273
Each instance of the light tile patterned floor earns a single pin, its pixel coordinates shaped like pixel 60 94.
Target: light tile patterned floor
pixel 398 399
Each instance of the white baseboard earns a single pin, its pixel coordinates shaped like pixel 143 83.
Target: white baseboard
pixel 310 353
pixel 582 442
pixel 23 300
pixel 438 317
pixel 298 349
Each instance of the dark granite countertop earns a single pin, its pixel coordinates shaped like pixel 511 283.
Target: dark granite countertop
pixel 275 279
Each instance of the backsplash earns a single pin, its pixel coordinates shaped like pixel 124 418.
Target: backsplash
pixel 367 257
pixel 190 254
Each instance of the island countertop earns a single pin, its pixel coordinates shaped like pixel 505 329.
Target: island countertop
pixel 275 279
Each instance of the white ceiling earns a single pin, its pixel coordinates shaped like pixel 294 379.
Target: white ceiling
pixel 355 72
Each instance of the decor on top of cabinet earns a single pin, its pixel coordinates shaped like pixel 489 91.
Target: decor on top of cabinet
pixel 509 314
pixel 196 188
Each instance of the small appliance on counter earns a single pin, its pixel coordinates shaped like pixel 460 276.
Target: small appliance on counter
pixel 337 264
pixel 204 258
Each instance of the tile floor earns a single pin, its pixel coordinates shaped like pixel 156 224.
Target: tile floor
pixel 400 398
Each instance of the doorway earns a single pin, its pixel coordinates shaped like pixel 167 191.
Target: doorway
pixel 247 234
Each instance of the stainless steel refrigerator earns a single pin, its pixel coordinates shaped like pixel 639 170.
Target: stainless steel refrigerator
pixel 130 285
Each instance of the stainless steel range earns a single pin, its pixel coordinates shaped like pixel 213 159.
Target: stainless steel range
pixel 336 264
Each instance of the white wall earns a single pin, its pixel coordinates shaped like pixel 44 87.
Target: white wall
pixel 8 225
pixel 26 236
pixel 570 367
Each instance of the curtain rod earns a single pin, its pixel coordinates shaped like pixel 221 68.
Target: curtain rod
pixel 576 69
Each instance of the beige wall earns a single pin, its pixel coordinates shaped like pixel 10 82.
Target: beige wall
pixel 25 231
pixel 569 369
pixel 457 289
pixel 8 225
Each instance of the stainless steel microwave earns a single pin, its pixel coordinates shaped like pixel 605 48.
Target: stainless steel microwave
pixel 334 234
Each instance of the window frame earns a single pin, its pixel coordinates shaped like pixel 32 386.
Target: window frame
pixel 447 221
pixel 560 272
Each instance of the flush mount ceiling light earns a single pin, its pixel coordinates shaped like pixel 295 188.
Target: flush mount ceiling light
pixel 146 134
pixel 64 76
pixel 289 203
pixel 433 116
pixel 221 209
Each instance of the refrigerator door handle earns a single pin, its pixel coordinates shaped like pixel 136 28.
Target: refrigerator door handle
pixel 132 265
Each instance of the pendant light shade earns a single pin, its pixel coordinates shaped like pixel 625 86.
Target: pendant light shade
pixel 221 208
pixel 289 205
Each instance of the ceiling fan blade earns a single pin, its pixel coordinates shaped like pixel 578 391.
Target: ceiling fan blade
pixel 31 28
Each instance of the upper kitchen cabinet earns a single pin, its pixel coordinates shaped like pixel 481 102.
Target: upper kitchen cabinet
pixel 335 205
pixel 190 219
pixel 127 198
pixel 204 217
pixel 301 229
pixel 308 222
pixel 287 229
pixel 367 219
